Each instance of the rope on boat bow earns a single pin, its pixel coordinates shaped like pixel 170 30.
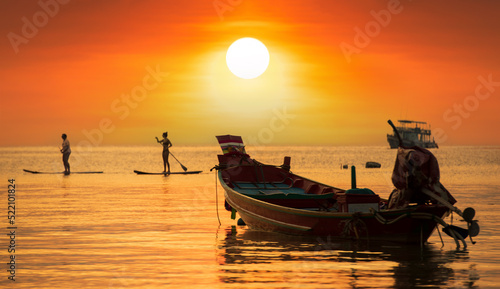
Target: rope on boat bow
pixel 352 226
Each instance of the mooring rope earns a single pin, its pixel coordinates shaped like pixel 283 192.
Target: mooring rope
pixel 352 226
pixel 217 199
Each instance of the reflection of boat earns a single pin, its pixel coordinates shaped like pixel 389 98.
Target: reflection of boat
pixel 413 133
pixel 261 258
pixel 272 198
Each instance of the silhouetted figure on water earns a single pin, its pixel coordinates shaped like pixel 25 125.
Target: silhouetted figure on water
pixel 66 151
pixel 166 145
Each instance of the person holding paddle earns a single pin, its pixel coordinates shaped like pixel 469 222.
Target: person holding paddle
pixel 166 145
pixel 66 151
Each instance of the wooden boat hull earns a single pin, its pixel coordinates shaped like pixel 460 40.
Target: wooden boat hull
pixel 272 198
pixel 413 225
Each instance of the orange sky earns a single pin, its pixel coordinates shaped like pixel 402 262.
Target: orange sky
pixel 122 72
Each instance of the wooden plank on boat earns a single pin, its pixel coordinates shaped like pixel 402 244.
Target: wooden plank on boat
pixel 37 172
pixel 274 222
pixel 259 186
pixel 172 173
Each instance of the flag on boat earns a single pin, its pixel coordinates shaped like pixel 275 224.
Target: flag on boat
pixel 231 144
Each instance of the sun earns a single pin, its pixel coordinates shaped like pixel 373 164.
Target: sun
pixel 247 58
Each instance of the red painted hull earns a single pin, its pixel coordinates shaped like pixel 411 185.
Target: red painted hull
pixel 271 198
pixel 284 215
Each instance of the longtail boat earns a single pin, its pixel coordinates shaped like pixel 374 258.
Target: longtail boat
pixel 272 198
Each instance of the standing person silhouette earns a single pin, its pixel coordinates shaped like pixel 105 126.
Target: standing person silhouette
pixel 66 151
pixel 166 145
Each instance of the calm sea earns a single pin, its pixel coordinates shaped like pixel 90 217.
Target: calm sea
pixel 122 230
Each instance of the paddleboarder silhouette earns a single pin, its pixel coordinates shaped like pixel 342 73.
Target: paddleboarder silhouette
pixel 66 151
pixel 166 145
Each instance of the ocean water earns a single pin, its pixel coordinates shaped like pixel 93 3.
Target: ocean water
pixel 122 230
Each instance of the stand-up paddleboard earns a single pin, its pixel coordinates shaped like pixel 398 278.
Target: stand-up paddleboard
pixel 37 172
pixel 171 173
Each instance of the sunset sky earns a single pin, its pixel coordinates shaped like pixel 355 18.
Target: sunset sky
pixel 122 72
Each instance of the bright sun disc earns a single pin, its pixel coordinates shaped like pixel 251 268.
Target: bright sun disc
pixel 247 58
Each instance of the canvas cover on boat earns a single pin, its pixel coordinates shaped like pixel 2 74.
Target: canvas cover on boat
pixel 415 169
pixel 231 144
pixel 413 161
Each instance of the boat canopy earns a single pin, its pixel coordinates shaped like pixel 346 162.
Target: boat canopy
pixel 411 121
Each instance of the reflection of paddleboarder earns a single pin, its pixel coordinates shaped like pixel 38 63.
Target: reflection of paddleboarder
pixel 166 144
pixel 66 151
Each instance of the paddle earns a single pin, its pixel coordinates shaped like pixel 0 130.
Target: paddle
pixel 183 167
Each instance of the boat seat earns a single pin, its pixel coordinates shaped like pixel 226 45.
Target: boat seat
pixel 313 189
pixel 298 183
pixel 327 190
